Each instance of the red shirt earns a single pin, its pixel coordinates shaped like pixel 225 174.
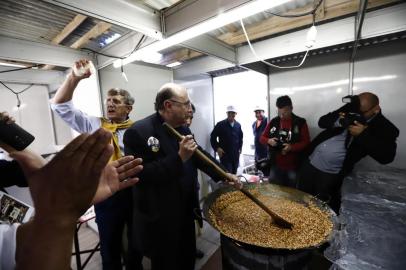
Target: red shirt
pixel 290 160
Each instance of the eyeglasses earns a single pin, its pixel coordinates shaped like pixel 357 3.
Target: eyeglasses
pixel 115 101
pixel 186 103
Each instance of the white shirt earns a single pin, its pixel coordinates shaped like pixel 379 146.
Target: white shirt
pixel 82 122
pixel 8 241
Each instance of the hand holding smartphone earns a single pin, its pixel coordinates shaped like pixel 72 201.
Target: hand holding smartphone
pixel 12 136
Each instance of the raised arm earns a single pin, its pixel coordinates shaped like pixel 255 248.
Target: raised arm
pixel 65 92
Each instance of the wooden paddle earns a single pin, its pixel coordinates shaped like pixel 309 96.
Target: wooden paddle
pixel 199 154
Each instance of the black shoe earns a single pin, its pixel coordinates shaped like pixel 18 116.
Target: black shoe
pixel 199 254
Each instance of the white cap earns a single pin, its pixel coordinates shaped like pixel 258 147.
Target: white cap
pixel 258 108
pixel 231 108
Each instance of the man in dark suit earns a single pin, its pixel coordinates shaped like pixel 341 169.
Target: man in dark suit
pixel 226 140
pixel 163 202
pixel 342 143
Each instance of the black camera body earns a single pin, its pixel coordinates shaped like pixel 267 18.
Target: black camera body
pixel 350 118
pixel 352 111
pixel 283 136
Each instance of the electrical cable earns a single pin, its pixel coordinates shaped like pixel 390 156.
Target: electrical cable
pixel 103 54
pixel 137 46
pixel 309 46
pixel 298 15
pixel 263 60
pixel 17 69
pixel 17 93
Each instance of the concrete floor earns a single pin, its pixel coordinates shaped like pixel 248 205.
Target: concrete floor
pixel 208 242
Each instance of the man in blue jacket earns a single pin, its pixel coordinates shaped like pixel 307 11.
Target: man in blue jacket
pixel 226 140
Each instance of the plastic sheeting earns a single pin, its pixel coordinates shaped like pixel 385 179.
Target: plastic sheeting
pixel 373 221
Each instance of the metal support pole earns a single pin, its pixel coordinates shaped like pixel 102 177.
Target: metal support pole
pixel 359 20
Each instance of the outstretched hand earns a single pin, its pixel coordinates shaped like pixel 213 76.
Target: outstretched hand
pixel 65 187
pixel 117 175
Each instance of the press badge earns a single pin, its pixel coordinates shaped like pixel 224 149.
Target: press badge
pixel 153 143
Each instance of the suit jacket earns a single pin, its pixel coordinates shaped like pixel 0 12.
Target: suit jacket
pixel 229 138
pixel 11 174
pixel 378 140
pixel 164 197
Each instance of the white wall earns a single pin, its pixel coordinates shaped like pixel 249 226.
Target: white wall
pixel 200 91
pixel 317 87
pixel 143 84
pixel 201 94
pixel 34 114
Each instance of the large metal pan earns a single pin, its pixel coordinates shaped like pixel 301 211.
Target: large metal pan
pixel 275 191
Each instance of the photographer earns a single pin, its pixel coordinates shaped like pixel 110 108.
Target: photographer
pixel 287 135
pixel 352 132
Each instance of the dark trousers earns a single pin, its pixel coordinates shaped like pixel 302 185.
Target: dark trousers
pixel 326 186
pixel 179 254
pixel 230 163
pixel 281 177
pixel 112 215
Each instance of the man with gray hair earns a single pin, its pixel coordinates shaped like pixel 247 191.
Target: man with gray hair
pixel 115 213
pixel 164 199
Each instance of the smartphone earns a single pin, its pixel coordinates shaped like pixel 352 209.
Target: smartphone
pixel 15 136
pixel 13 210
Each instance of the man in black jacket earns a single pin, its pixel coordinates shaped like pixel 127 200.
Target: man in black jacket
pixel 335 151
pixel 163 202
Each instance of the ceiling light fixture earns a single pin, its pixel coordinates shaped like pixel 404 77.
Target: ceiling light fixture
pixel 8 64
pixel 174 64
pixel 240 12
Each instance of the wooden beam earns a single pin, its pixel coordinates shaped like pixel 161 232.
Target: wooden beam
pixel 69 28
pixel 66 31
pixel 96 31
pixel 274 25
pixel 320 12
pixel 179 55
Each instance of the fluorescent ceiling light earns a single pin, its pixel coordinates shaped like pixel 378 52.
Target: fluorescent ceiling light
pixel 174 64
pixel 7 64
pixel 240 12
pixel 151 57
pixel 109 39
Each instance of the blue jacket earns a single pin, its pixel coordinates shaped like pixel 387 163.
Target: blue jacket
pixel 261 151
pixel 228 138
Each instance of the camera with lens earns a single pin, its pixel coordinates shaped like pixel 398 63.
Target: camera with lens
pixel 352 111
pixel 283 136
pixel 350 118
